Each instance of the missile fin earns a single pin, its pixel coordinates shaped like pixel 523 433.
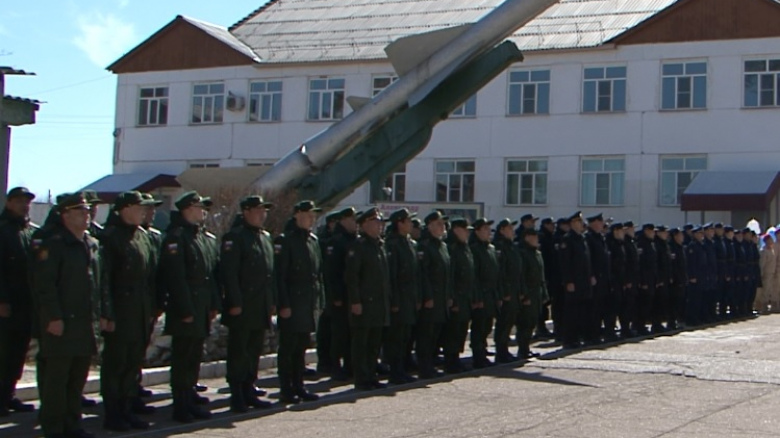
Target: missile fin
pixel 357 102
pixel 408 52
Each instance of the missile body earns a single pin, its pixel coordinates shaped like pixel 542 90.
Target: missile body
pixel 320 150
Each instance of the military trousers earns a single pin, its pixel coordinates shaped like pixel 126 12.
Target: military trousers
pixel 456 330
pixel 660 305
pixel 63 383
pixel 577 313
pixel 627 310
pixel 527 318
pixel 481 325
pixel 119 369
pixel 243 354
pixel 340 351
pixel 14 344
pixel 507 318
pixel 324 341
pixel 557 296
pixel 365 344
pixel 676 304
pixel 397 338
pixel 428 332
pixel 292 353
pixel 645 306
pixel 693 304
pixel 186 354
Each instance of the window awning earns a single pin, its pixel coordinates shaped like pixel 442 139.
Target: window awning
pixel 731 191
pixel 110 186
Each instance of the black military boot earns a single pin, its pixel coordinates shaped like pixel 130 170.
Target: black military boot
pixel 198 411
pixel 130 417
pixel 181 401
pixel 198 399
pixel 114 421
pixel 5 398
pixel 139 407
pixel 286 393
pixel 300 389
pixel 250 397
pixel 237 399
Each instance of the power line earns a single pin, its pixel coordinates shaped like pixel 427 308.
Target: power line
pixel 64 87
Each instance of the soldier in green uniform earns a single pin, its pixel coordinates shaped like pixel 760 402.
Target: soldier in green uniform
pixel 510 283
pixel 16 311
pixel 345 234
pixel 67 292
pixel 367 278
pixel 247 277
pixel 128 277
pixel 487 295
pixel 404 293
pixel 436 292
pixel 463 285
pixel 533 292
pixel 155 238
pixel 95 229
pixel 298 266
pixel 188 265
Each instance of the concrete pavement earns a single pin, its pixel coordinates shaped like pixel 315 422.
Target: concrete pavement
pixel 714 382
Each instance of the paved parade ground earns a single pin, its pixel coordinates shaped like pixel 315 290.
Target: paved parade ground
pixel 718 381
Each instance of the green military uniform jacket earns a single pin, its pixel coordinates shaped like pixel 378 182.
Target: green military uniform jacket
pixel 299 278
pixel 128 280
pixel 436 277
pixel 247 276
pixel 463 280
pixel 15 246
pixel 404 277
pixel 367 276
pixel 534 286
pixel 486 270
pixel 67 287
pixel 188 267
pixel 334 264
pixel 510 269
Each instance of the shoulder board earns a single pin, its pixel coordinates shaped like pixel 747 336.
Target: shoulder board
pixel 97 226
pixel 210 235
pixel 33 225
pixel 265 233
pixel 152 230
pixel 143 230
pixel 314 236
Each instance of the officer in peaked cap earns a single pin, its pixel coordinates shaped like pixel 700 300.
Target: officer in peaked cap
pixel 299 281
pixel 599 257
pixel 578 279
pixel 188 264
pixel 367 277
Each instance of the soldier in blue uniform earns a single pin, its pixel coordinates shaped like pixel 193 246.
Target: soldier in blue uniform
pixel 555 285
pixel 679 279
pixel 696 258
pixel 628 311
pixel 719 303
pixel 754 270
pixel 661 299
pixel 578 279
pixel 648 277
pixel 711 278
pixel 599 258
pixel 729 272
pixel 617 279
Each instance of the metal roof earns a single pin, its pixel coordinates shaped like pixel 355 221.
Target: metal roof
pixel 731 183
pixel 340 30
pixel 221 33
pixel 121 182
pixel 5 70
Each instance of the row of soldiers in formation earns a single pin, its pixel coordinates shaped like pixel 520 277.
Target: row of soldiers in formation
pixel 380 291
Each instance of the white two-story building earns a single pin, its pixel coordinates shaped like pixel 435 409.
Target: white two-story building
pixel 617 108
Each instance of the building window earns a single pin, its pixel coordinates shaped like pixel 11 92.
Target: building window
pixel 762 78
pixel 266 164
pixel 379 83
pixel 153 106
pixel 676 174
pixel 604 89
pixel 208 103
pixel 684 86
pixel 455 181
pixel 526 182
pixel 326 99
pixel 265 101
pixel 603 181
pixel 396 182
pixel 203 165
pixel 529 92
pixel 467 110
